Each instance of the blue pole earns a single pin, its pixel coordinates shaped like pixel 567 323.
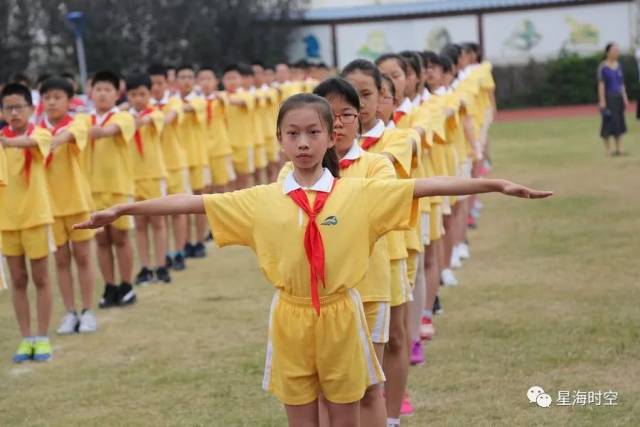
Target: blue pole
pixel 76 19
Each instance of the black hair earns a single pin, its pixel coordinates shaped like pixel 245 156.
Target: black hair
pixel 106 77
pixel 387 80
pixel 245 70
pixel 452 52
pixel 258 63
pixel 340 87
pixel 323 65
pixel 185 67
pixel 330 159
pixel 68 75
pixel 270 67
pixel 42 77
pixel 414 60
pixel 207 68
pixel 157 70
pixel 138 80
pixel 57 83
pixel 385 57
pixel 473 47
pixel 301 63
pixel 230 68
pixel 366 67
pixel 21 90
pixel 19 78
pixel 607 48
pixel 432 58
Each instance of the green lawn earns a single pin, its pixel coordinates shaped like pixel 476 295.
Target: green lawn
pixel 550 298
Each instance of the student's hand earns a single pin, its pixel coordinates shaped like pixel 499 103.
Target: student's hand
pixel 99 219
pixel 96 132
pixel 449 112
pixel 516 190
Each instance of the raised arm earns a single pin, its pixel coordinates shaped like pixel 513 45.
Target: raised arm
pixel 22 141
pixel 98 132
pixel 453 186
pixel 171 205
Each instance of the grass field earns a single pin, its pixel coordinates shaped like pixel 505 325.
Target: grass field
pixel 549 298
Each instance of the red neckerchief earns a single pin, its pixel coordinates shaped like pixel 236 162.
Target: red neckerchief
pixel 313 245
pixel 136 136
pixel 28 155
pixel 209 110
pixel 94 121
pixel 369 142
pixel 397 116
pixel 62 124
pixel 345 163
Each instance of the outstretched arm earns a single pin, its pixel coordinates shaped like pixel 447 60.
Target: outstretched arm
pixel 171 205
pixel 451 186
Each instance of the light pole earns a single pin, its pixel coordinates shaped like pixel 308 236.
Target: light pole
pixel 76 19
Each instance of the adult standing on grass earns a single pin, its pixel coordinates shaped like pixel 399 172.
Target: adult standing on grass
pixel 612 97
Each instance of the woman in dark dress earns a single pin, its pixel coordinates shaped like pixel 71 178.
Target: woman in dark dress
pixel 613 100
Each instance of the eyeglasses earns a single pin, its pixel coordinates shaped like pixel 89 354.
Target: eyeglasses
pixel 11 108
pixel 346 118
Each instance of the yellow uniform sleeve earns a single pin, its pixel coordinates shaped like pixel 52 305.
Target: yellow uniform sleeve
pixel 419 118
pixel 389 205
pixel 3 167
pixel 199 108
pixel 127 125
pixel 42 137
pixel 157 120
pixel 80 130
pixel 232 216
pixel 399 146
pixel 175 104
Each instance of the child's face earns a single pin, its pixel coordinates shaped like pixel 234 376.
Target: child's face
pixel 282 73
pixel 207 81
pixel 391 68
pixel 139 97
pixel 447 78
pixel 411 83
pixel 304 137
pixel 104 95
pixel 159 86
pixel 345 122
pixel 186 81
pixel 297 74
pixel 231 80
pixel 435 76
pixel 269 76
pixel 56 104
pixel 369 97
pixel 16 111
pixel 247 81
pixel 386 105
pixel 258 73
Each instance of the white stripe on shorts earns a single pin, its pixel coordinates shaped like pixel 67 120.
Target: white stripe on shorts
pixel 252 159
pixel 380 333
pixel 51 242
pixel 206 175
pixel 372 362
pixel 266 379
pixel 3 277
pixel 425 229
pixel 186 182
pixel 163 187
pixel 231 173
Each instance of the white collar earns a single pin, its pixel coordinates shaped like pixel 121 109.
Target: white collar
pixel 391 124
pixel 425 94
pixel 354 152
pixel 101 117
pixel 324 184
pixel 442 90
pixel 163 101
pixel 265 86
pixel 417 100
pixel 376 131
pixel 406 106
pixel 192 95
pixel 51 127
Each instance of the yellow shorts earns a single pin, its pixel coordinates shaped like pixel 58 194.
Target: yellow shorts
pixel 377 314
pixel 35 242
pixel 63 231
pixel 178 182
pixel 400 285
pixel 436 228
pixel 199 177
pixel 273 150
pixel 222 171
pixel 425 230
pixel 260 153
pixel 309 354
pixel 107 200
pixel 146 189
pixel 244 160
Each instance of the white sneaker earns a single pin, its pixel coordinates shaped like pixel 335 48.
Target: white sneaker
pixel 455 259
pixel 448 278
pixel 68 324
pixel 463 251
pixel 88 322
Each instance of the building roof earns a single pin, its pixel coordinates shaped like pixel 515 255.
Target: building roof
pixel 425 8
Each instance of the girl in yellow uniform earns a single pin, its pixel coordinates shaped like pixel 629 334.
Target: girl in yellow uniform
pixel 70 202
pixel 313 235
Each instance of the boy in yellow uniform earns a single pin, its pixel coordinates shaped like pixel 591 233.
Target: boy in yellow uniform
pixel 284 83
pixel 216 135
pixel 3 182
pixel 150 176
pixel 111 181
pixel 174 157
pixel 239 107
pixel 257 115
pixel 268 112
pixel 25 218
pixel 70 201
pixel 191 136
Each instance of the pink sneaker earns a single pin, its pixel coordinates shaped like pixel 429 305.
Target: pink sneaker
pixel 417 357
pixel 406 409
pixel 427 331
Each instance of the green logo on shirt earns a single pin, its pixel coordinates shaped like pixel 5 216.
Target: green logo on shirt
pixel 330 220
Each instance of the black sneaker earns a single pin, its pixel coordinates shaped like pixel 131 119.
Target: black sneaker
pixel 109 297
pixel 189 250
pixel 168 262
pixel 178 262
pixel 199 250
pixel 144 277
pixel 162 274
pixel 437 308
pixel 126 294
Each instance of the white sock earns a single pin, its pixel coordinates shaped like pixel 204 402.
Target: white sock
pixel 393 422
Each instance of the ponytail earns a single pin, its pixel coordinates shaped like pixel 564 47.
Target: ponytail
pixel 331 162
